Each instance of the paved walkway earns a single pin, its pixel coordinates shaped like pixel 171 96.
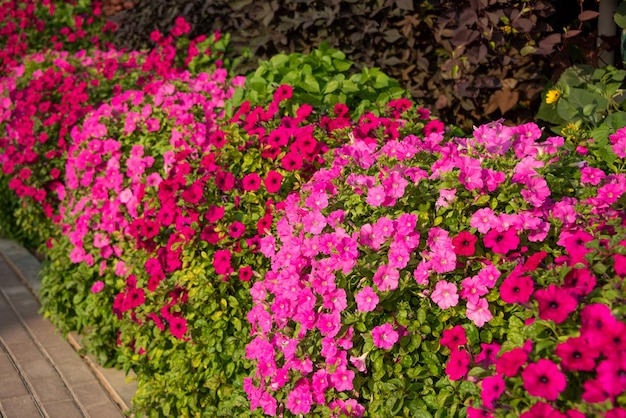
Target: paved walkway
pixel 41 375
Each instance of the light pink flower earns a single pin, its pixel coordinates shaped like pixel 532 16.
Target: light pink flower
pixel 483 220
pixel 479 312
pixel 445 294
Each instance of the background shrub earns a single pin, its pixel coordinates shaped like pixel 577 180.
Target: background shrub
pixel 470 60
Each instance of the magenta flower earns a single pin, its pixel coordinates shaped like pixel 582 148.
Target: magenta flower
pixel 501 242
pixel 464 244
pixel 386 278
pixel 483 220
pixel 445 294
pixel 544 379
pixel 384 336
pixel 453 337
pixel 376 196
pixel 251 182
pixel 97 287
pixel 300 399
pixel 516 288
pixel 555 303
pixel 492 387
pixel 342 379
pixel 314 222
pixel 457 365
pixel 273 181
pixel 366 299
pixel 472 289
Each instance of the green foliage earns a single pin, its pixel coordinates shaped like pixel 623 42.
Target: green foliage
pixel 587 105
pixel 320 79
pixel 10 226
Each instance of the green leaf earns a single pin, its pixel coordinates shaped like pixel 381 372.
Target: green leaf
pixel 620 15
pixel 310 84
pixel 331 86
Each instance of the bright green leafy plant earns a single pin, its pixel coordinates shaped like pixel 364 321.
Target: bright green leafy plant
pixel 320 79
pixel 587 105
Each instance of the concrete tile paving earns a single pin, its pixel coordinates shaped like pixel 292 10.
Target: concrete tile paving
pixel 41 374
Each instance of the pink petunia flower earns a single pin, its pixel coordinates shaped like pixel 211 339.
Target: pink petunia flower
pixel 501 242
pixel 386 278
pixel 457 365
pixel 544 379
pixel 384 336
pixel 445 294
pixel 366 299
pixel 479 312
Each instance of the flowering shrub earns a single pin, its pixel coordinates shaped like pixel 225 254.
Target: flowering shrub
pixel 409 270
pixel 199 230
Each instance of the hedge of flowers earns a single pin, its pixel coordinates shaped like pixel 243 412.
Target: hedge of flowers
pixel 284 261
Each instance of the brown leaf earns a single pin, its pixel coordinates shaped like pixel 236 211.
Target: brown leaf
pixel 587 15
pixel 405 4
pixel 571 33
pixel 506 99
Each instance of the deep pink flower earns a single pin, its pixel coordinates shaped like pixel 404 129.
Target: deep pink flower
pixel 463 244
pixel 221 262
pixel 273 181
pixel 611 373
pixel 501 242
pixel 251 182
pixel 575 244
pixel 516 288
pixel 488 353
pixel 245 273
pixel 576 354
pixel 510 362
pixel 615 412
pixel 384 336
pixel 453 337
pixel 225 181
pixel 236 229
pixel 544 379
pixel 457 365
pixel 542 410
pixel 555 303
pixel 178 327
pixel 291 161
pixel 491 389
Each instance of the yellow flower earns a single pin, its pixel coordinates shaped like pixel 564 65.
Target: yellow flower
pixel 552 96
